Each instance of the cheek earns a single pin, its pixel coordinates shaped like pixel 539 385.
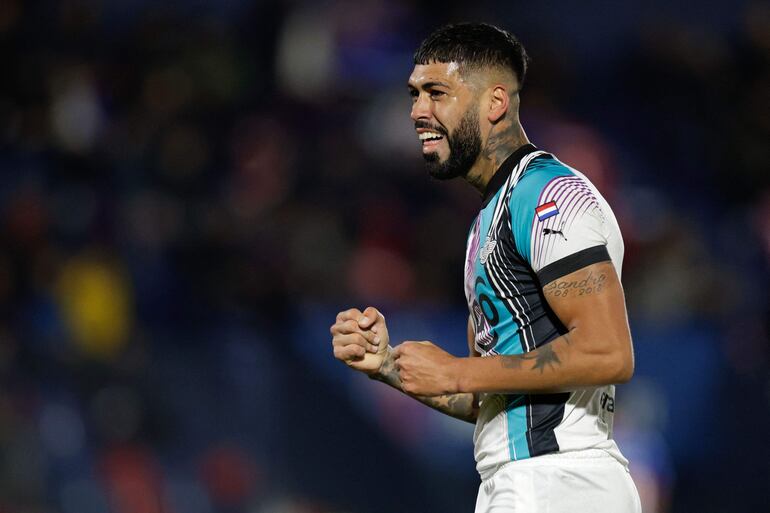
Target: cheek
pixel 447 113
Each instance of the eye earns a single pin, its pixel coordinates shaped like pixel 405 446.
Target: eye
pixel 434 94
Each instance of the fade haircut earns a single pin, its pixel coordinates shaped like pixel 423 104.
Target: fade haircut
pixel 474 46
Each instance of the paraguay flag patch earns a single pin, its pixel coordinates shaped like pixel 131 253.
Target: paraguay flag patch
pixel 546 210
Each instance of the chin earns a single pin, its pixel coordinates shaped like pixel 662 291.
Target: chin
pixel 441 169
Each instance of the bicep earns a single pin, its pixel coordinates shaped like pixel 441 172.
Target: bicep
pixel 590 304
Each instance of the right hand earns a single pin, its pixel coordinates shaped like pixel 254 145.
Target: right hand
pixel 360 339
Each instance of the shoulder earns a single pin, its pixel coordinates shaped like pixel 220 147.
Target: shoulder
pixel 555 210
pixel 538 179
pixel 542 172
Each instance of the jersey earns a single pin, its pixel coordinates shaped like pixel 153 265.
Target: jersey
pixel 540 220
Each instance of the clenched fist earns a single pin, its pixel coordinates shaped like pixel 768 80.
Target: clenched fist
pixel 426 369
pixel 360 339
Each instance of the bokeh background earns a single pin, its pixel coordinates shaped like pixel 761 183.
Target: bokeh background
pixel 190 191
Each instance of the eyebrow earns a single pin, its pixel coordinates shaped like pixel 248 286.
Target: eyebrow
pixel 428 85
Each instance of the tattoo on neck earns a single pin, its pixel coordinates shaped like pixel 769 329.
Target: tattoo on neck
pixel 506 138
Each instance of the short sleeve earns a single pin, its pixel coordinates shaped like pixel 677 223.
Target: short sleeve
pixel 557 221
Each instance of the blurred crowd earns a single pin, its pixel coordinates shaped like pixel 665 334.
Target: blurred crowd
pixel 177 179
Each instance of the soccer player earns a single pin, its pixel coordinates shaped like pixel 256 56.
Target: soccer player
pixel 547 331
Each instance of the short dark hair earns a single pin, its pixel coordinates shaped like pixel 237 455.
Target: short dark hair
pixel 475 46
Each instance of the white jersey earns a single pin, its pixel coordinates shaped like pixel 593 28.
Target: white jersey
pixel 540 220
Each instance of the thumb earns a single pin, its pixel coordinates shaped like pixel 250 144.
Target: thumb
pixel 368 318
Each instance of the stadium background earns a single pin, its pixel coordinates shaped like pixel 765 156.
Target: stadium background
pixel 189 191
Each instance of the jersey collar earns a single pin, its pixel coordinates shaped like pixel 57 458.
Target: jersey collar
pixel 504 171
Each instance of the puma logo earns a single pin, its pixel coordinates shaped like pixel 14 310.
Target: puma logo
pixel 549 231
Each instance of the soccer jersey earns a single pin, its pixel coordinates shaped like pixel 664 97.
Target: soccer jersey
pixel 540 220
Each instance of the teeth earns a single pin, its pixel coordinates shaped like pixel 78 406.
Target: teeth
pixel 425 136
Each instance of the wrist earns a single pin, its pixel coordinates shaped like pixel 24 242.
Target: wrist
pixel 380 373
pixel 458 375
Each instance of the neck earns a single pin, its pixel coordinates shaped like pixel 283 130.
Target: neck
pixel 504 138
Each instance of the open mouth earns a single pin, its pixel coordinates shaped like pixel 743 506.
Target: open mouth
pixel 430 139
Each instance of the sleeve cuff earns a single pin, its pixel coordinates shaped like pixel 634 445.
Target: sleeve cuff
pixel 572 263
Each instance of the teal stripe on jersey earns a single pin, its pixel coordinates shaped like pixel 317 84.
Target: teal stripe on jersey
pixel 526 197
pixel 516 417
pixel 507 328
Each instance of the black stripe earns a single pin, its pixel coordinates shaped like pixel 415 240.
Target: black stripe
pixel 541 324
pixel 546 412
pixel 572 263
pixel 517 278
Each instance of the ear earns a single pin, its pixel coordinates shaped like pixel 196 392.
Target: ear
pixel 499 102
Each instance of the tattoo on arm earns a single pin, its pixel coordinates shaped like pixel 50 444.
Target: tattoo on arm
pixel 544 357
pixel 460 406
pixel 388 373
pixel 592 284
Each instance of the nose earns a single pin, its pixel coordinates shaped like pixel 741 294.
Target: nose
pixel 421 108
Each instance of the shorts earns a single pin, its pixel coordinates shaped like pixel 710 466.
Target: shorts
pixel 588 481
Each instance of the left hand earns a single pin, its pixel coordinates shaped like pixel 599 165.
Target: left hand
pixel 426 369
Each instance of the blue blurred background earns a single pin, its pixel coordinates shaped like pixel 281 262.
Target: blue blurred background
pixel 190 191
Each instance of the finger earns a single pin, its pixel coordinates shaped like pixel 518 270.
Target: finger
pixel 358 339
pixel 351 353
pixel 370 316
pixel 347 339
pixel 350 328
pixel 343 327
pixel 369 340
pixel 347 327
pixel 350 314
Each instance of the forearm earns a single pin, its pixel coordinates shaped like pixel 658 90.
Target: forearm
pixel 463 406
pixel 555 367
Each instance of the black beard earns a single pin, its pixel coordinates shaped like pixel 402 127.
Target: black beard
pixel 464 149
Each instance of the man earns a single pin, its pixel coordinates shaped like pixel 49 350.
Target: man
pixel 547 331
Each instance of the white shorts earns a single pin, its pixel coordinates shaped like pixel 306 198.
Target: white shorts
pixel 589 481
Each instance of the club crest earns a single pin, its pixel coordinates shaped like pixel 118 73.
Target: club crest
pixel 489 247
